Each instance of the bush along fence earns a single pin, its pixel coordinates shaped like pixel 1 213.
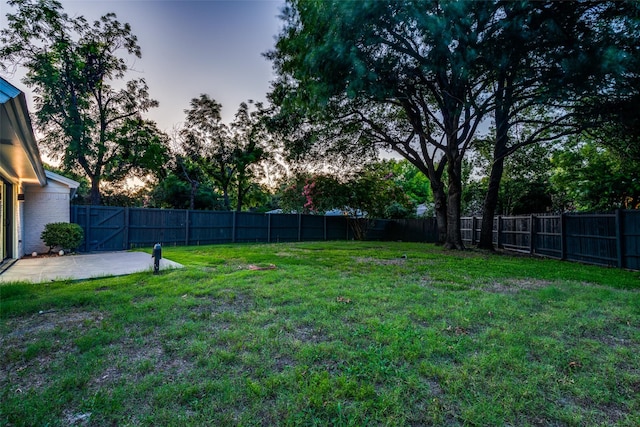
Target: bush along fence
pixel 611 239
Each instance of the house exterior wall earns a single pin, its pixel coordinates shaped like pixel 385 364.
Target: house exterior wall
pixel 18 216
pixel 43 205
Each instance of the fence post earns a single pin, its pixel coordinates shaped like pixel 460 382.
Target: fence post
pixel 620 237
pixel 233 227
pixel 268 228
pixel 498 231
pixel 563 237
pixel 473 230
pixel 88 230
pixel 532 234
pixel 299 227
pixel 324 223
pixel 346 222
pixel 186 226
pixel 125 238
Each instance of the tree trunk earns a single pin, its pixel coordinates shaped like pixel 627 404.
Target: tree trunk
pixel 95 191
pixel 489 205
pixel 240 200
pixel 227 202
pixel 454 235
pixel 440 201
pixel 242 191
pixel 192 196
pixel 503 101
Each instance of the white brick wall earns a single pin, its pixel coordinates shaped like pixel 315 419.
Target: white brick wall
pixel 43 205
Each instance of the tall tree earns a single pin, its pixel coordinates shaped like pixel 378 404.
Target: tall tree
pixel 203 126
pixel 226 154
pixel 89 124
pixel 407 76
pixel 548 58
pixel 250 138
pixel 207 139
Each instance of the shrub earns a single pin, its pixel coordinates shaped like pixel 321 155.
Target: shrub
pixel 397 211
pixel 63 234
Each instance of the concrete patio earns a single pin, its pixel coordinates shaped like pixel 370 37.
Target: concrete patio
pixel 84 266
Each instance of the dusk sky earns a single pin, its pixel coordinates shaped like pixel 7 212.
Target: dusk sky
pixel 189 48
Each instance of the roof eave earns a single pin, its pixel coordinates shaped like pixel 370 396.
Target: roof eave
pixel 15 105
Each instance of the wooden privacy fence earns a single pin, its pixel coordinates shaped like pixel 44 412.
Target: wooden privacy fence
pixel 611 239
pixel 109 228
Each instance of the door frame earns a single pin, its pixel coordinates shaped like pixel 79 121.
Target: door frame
pixel 3 225
pixel 6 219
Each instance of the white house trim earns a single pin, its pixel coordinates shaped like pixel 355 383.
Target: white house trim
pixel 19 155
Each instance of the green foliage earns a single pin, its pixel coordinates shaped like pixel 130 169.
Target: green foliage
pixel 612 120
pixel 525 187
pixel 369 193
pixel 590 177
pixel 397 211
pixel 65 235
pixel 92 127
pixel 115 195
pixel 340 333
pixel 375 188
pixel 313 193
pixel 414 183
pixel 175 192
pixel 374 191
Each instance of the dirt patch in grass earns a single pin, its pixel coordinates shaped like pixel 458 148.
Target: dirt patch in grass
pixel 49 320
pixel 131 361
pixel 283 362
pixel 285 254
pixel 599 413
pixel 512 286
pixel 31 347
pixel 377 261
pixel 76 419
pixel 39 344
pixel 501 286
pixel 293 252
pixel 227 300
pixel 434 387
pixel 306 334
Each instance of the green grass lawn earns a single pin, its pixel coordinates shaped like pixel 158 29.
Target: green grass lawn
pixel 339 333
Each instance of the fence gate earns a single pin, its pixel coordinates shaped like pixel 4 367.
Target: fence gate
pixel 104 227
